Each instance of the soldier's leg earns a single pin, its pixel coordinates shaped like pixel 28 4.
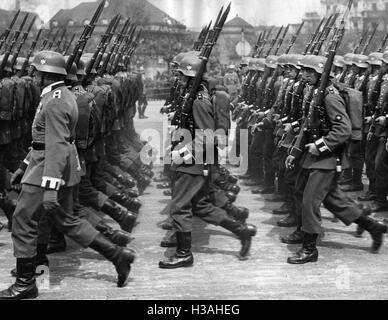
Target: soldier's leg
pixel 255 158
pixel 380 204
pixel 300 185
pixel 269 169
pixel 370 167
pixel 184 188
pixel 357 164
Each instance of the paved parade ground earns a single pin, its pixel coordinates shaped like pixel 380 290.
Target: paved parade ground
pixel 345 268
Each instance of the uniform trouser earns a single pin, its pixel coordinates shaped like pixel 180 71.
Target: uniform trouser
pixel 370 157
pixel 142 105
pixel 356 159
pixel 29 211
pixel 382 173
pixel 317 186
pixel 280 156
pixel 269 149
pixel 255 157
pixel 190 195
pixel 290 176
pixel 3 169
pixel 89 196
pixel 46 225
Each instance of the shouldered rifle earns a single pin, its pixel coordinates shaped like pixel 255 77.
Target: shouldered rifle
pixel 45 41
pixel 133 47
pixel 50 43
pixel 108 39
pixel 201 37
pixel 362 39
pixel 383 44
pixel 319 35
pixel 60 41
pixel 75 56
pixel 126 44
pixel 294 37
pixel 280 41
pixel 108 57
pixel 312 38
pixel 264 42
pixel 325 34
pixel 121 43
pixel 258 43
pixel 7 31
pixel 273 42
pixel 66 51
pixel 12 44
pixel 22 41
pixel 368 42
pixel 204 56
pixel 104 39
pixel 315 133
pixel 30 51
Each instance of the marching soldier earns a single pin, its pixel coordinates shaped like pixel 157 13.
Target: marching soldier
pixel 320 147
pixel 48 176
pixel 191 185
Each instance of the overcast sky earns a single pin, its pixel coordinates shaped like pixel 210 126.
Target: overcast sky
pixel 256 12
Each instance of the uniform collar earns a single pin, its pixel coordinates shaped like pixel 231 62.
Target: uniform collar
pixel 52 87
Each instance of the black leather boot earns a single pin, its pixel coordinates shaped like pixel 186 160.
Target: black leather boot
pixel 232 197
pixel 164 185
pixel 142 181
pixel 25 284
pixel 122 216
pixel 183 256
pixel 288 221
pixel 245 232
pixel 170 240
pixel 366 211
pixel 286 208
pixel 40 260
pixel 131 193
pixel 237 213
pixel 227 186
pixel 132 204
pixel 376 230
pixel 146 171
pixel 309 251
pixel 119 237
pixel 57 242
pixel 294 238
pixel 126 180
pixel 165 225
pixel 122 258
pixel 167 193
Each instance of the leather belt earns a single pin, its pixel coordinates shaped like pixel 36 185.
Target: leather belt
pixel 39 146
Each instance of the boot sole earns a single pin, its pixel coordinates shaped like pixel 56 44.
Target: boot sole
pixel 182 265
pixel 315 259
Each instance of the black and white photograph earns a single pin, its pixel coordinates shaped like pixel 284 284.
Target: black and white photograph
pixel 212 151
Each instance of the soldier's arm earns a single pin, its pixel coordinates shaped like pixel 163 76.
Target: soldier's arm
pixel 341 127
pixel 57 137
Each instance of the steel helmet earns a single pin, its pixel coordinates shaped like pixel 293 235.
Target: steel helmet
pixel 19 63
pixel 316 63
pixel 385 57
pixel 271 61
pixel 282 60
pixel 339 61
pixel 189 65
pixel 245 61
pixel 252 65
pixel 375 58
pixel 50 62
pixel 360 61
pixel 294 60
pixel 348 59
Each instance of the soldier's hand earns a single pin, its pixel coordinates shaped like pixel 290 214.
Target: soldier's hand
pixel 50 200
pixel 17 177
pixel 287 127
pixel 290 162
pixel 381 120
pixel 312 149
pixel 368 120
pixel 176 157
pixel 170 116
